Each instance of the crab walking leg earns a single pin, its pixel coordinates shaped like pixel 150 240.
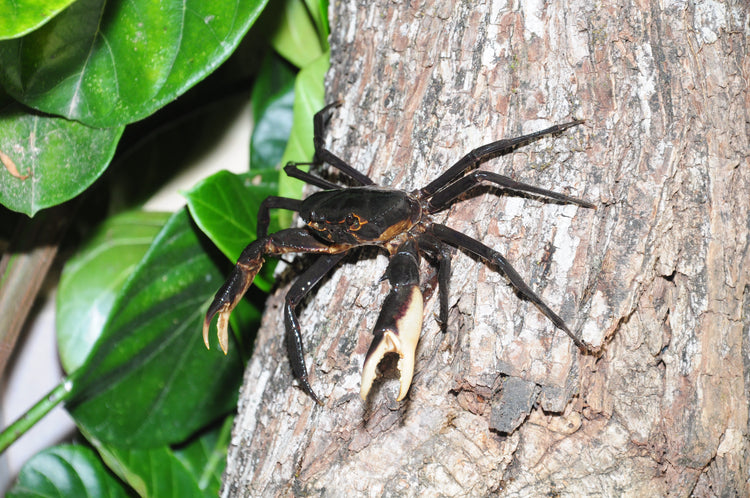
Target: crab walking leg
pixel 326 156
pixel 444 197
pixel 443 257
pixel 400 322
pixel 450 236
pixel 248 265
pixel 485 152
pixel 299 289
pixel 323 155
pixel 264 213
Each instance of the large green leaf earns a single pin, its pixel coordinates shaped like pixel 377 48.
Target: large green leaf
pixel 319 12
pixel 273 112
pixel 18 17
pixel 191 470
pixel 309 95
pixel 66 470
pixel 149 380
pixel 296 38
pixel 225 206
pixel 92 279
pixel 152 472
pixel 107 63
pixel 205 456
pixel 45 160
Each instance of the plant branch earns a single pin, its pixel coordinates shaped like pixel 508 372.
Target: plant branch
pixel 35 413
pixel 23 270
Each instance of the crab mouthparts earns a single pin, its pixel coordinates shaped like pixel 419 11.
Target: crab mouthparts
pixel 395 333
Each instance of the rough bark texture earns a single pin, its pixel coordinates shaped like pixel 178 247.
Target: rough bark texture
pixel 656 277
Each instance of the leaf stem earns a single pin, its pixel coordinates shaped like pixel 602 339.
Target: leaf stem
pixel 35 413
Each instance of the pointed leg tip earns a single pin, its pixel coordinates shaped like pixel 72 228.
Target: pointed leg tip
pixel 307 388
pixel 588 204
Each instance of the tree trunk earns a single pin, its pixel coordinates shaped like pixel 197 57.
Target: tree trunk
pixel 656 278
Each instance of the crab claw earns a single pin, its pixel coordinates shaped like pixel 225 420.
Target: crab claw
pixel 226 299
pixel 396 331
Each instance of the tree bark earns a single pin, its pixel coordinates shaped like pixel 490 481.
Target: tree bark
pixel 656 278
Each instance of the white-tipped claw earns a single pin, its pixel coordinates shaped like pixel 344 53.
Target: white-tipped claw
pixel 400 336
pixel 206 326
pixel 222 324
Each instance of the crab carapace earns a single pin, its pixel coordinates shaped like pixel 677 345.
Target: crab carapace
pixel 341 218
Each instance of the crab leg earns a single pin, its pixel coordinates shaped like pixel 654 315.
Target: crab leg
pixel 248 265
pixel 273 202
pixel 443 198
pixel 323 155
pixel 400 322
pixel 485 152
pixel 442 255
pixel 299 289
pixel 493 257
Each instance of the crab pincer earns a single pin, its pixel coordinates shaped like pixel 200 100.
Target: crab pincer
pixel 229 295
pixel 400 322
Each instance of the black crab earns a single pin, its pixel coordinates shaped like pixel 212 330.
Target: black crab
pixel 340 218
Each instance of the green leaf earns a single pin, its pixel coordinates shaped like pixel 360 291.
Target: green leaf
pixel 149 380
pixel 21 16
pixel 319 12
pixel 309 94
pixel 192 470
pixel 273 101
pixel 151 472
pixel 92 279
pixel 48 160
pixel 66 470
pixel 205 456
pixel 108 63
pixel 296 39
pixel 225 207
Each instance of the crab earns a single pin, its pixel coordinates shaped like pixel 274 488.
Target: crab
pixel 339 219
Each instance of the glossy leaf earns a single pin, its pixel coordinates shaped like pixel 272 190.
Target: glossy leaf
pixel 149 380
pixel 319 12
pixel 192 469
pixel 151 472
pixel 92 279
pixel 225 206
pixel 45 160
pixel 205 456
pixel 272 100
pixel 296 38
pixel 107 63
pixel 21 16
pixel 309 94
pixel 66 470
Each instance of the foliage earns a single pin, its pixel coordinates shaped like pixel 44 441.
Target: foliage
pixel 89 115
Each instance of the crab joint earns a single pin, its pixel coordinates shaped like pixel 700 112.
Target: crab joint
pixel 396 331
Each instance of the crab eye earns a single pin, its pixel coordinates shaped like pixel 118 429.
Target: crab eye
pixel 352 221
